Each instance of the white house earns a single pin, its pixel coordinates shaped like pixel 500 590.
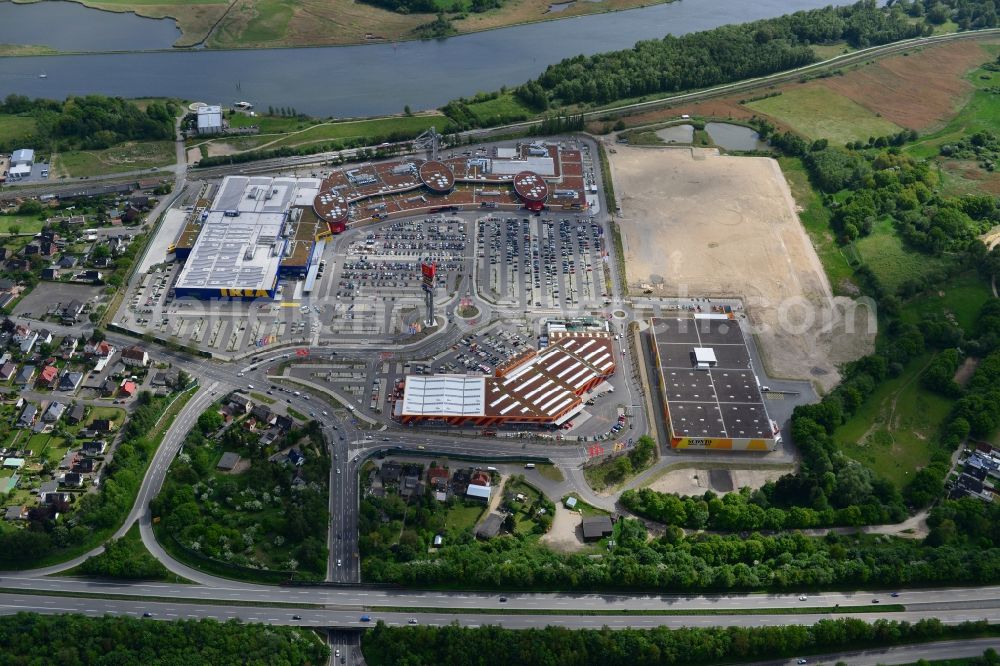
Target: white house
pixel 209 119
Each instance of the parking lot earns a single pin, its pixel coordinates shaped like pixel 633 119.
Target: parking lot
pixel 538 262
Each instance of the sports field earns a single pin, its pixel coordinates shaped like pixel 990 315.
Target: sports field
pixel 695 223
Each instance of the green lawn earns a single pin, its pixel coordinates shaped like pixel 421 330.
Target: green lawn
pixel 963 297
pixel 16 127
pixel 25 225
pixel 816 220
pixel 463 517
pixel 820 113
pixel 116 414
pixel 128 156
pixel 883 251
pixel 377 127
pixel 584 508
pixel 893 430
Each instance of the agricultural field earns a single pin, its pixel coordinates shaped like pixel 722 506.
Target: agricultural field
pixel 893 431
pixel 128 156
pixel 818 112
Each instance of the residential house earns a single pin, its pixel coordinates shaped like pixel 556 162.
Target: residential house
pixel 94 447
pixel 59 501
pixel 71 312
pixel 51 274
pixel 263 415
pixel 46 488
pixel 108 387
pixel 490 527
pixel 135 356
pixel 164 378
pixel 26 375
pixel 17 512
pixel 410 487
pixel 77 414
pixel 44 337
pixel 596 527
pixel 85 465
pixel 29 342
pixel 477 492
pixel 128 388
pixel 48 375
pixel 99 349
pixel 70 381
pixel 92 276
pixel 69 343
pixel 20 333
pixel 390 471
pixel 240 403
pixel 6 285
pixel 27 418
pixel 54 412
pixel 102 425
pixel 69 460
pixel 67 261
pixel 296 457
pixel 437 478
pixel 7 371
pixel 229 461
pixel 72 479
pixel 285 423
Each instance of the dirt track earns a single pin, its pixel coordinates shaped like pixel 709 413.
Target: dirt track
pixel 699 224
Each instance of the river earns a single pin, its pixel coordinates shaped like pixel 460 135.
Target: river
pixel 351 81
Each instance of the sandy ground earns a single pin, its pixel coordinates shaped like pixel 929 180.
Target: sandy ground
pixel 696 223
pixel 697 481
pixel 565 535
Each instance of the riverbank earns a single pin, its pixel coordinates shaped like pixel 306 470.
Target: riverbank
pixel 219 25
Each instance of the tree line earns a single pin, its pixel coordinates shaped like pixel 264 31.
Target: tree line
pixel 690 646
pixel 76 640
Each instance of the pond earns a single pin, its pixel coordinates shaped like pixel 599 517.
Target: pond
pixel 734 137
pixel 676 134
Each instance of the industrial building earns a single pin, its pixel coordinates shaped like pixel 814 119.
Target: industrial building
pixel 249 237
pixel 21 163
pixel 209 119
pixel 543 388
pixel 711 396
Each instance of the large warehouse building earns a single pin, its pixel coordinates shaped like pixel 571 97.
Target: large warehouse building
pixel 247 239
pixel 541 388
pixel 712 399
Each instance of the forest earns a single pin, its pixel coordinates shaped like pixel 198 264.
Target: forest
pixel 92 122
pixel 459 646
pixel 75 640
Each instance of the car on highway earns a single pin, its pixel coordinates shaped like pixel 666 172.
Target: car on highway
pixel 296 617
pixel 412 620
pixel 421 447
pixel 338 470
pixel 802 598
pixel 147 614
pixel 894 595
pixel 503 600
pixel 875 601
pixel 339 562
pixel 365 618
pixel 802 661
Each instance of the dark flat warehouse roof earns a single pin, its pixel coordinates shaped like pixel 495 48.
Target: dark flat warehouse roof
pixel 723 401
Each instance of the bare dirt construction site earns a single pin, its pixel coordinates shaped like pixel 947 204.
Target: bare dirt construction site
pixel 698 224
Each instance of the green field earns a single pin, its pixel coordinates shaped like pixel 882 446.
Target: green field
pixel 819 113
pixel 25 225
pixel 463 517
pixel 129 156
pixel 377 127
pixel 893 430
pixel 883 251
pixel 816 220
pixel 16 128
pixel 495 111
